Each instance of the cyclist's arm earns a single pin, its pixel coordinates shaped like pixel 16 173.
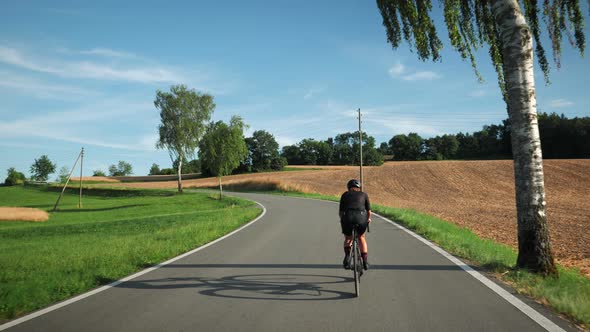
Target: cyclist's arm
pixel 340 207
pixel 368 207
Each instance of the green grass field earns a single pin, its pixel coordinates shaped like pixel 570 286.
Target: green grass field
pixel 116 233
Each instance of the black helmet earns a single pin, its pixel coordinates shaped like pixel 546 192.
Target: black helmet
pixel 353 183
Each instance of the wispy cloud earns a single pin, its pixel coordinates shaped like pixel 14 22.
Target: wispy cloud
pixel 41 89
pixel 91 70
pixel 559 103
pixel 400 71
pixel 397 70
pixel 421 76
pixel 108 53
pixel 99 51
pixel 286 140
pixel 405 126
pixel 79 125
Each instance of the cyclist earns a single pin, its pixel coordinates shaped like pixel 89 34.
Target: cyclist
pixel 355 208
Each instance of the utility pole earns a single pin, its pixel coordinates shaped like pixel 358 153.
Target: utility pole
pixel 68 181
pixel 81 165
pixel 361 148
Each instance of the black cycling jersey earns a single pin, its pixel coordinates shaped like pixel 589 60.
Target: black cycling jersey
pixel 354 200
pixel 353 211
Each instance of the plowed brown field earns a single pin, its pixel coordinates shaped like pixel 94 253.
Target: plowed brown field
pixel 478 195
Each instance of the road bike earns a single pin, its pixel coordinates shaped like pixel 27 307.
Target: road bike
pixel 356 264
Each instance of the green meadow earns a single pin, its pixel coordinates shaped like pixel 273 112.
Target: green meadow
pixel 113 235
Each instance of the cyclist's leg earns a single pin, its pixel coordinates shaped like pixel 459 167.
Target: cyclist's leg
pixel 363 243
pixel 347 232
pixel 347 244
pixel 364 247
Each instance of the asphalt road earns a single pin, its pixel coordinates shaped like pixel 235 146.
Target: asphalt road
pixel 283 273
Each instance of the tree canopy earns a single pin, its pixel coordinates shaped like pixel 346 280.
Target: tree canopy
pixel 471 25
pixel 223 147
pixel 14 177
pixel 341 150
pixel 264 152
pixel 184 115
pixel 509 34
pixel 123 168
pixel 41 168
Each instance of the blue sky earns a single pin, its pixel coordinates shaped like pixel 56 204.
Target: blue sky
pixel 84 74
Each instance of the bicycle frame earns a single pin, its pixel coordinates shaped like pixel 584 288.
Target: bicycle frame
pixel 357 262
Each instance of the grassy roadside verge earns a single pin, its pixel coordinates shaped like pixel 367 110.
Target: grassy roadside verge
pixel 569 294
pixel 111 237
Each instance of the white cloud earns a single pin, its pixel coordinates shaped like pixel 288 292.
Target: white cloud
pixel 421 76
pixel 44 90
pixel 400 125
pixel 99 51
pixel 559 103
pixel 286 140
pixel 92 70
pixel 397 70
pixel 106 52
pixel 404 73
pixel 80 125
pixel 13 57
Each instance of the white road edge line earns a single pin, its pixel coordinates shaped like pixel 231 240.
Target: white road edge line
pixel 543 321
pixel 116 283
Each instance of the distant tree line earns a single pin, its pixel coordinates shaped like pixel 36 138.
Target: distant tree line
pixel 560 138
pixel 344 149
pixel 188 167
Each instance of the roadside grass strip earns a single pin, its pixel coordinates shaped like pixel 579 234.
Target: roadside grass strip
pixel 569 294
pixel 77 250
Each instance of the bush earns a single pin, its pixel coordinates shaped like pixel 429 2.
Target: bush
pixel 168 171
pixel 278 163
pixel 98 172
pixel 14 177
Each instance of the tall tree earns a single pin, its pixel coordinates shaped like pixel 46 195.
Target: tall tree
pixel 501 25
pixel 264 151
pixel 155 169
pixel 406 147
pixel 41 168
pixel 223 147
pixel 293 154
pixel 184 115
pixel 122 168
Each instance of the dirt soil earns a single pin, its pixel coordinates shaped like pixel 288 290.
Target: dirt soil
pixel 478 195
pixel 22 214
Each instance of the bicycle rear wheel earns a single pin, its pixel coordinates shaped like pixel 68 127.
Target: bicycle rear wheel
pixel 355 264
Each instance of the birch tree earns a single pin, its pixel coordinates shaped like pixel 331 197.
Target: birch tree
pixel 507 31
pixel 223 148
pixel 184 115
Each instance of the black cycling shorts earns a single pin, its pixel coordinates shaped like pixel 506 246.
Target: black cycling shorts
pixel 354 217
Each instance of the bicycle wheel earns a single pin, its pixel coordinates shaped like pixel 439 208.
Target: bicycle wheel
pixel 355 264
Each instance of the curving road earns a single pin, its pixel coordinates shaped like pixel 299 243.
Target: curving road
pixel 283 273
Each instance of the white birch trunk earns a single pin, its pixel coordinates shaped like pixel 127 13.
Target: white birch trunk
pixel 534 248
